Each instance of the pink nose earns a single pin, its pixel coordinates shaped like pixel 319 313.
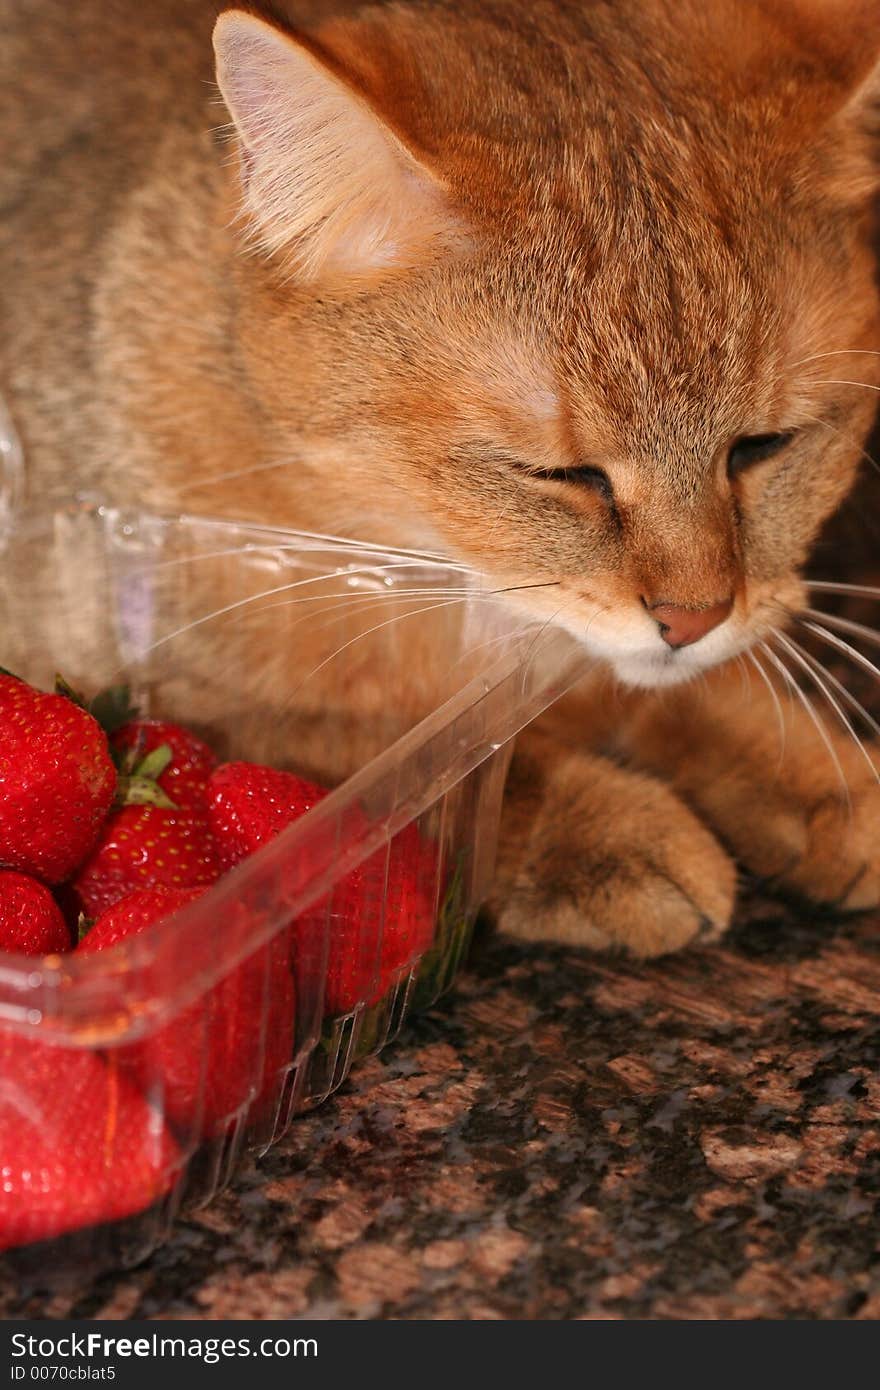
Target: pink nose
pixel 679 626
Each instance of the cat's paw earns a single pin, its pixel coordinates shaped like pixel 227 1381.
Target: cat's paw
pixel 614 860
pixel 797 807
pixel 809 837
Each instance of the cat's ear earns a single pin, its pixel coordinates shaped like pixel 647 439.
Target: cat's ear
pixel 840 40
pixel 326 182
pixel 844 36
pixel 854 153
pixel 860 119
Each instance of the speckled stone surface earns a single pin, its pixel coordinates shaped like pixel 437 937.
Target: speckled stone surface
pixel 567 1137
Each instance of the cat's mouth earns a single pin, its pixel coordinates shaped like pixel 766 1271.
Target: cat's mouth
pixel 642 660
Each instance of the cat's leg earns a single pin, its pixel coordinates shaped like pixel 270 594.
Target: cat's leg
pixel 595 855
pixel 757 769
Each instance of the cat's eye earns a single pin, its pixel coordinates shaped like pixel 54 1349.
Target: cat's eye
pixel 755 448
pixel 584 475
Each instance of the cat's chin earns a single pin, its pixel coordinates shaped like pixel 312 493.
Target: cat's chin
pixel 650 672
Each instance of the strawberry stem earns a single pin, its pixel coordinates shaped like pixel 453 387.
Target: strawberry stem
pixel 142 791
pixel 155 763
pixel 137 783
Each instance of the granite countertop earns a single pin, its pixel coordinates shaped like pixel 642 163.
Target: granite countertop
pixel 570 1137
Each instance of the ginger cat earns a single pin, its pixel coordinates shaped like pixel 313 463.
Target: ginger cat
pixel 580 291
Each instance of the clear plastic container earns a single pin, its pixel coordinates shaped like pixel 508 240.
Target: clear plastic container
pixel 395 680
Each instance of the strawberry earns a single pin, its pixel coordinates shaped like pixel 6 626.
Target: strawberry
pixel 30 919
pixel 381 914
pixel 79 1145
pixel 57 781
pixel 185 779
pixel 249 805
pixel 146 847
pixel 389 901
pixel 230 1045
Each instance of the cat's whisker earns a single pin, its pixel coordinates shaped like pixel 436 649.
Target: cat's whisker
pixel 808 665
pixel 249 599
pixel 753 657
pixel 360 636
pixel 849 625
pixel 499 518
pixel 235 607
pixel 376 597
pixel 829 586
pixel 517 588
pixel 601 608
pixel 438 603
pixel 196 484
pixel 842 382
pixel 532 651
pixel 832 640
pixel 342 602
pixel 837 352
pixel 346 605
pixel 470 652
pixel 847 439
pixel 745 680
pixel 846 695
pixel 812 714
pixel 296 547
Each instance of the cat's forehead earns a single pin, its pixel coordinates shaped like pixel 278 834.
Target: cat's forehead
pixel 631 338
pixel 663 344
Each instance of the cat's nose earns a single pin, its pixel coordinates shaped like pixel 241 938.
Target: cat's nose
pixel 680 626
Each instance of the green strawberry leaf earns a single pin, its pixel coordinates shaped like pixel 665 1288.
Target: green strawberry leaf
pixel 83 926
pixel 4 672
pixel 113 707
pixel 63 687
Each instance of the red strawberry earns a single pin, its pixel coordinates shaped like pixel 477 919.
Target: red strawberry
pixel 381 915
pixel 30 919
pixel 249 805
pixel 232 1044
pixel 389 898
pixel 79 1145
pixel 57 781
pixel 185 779
pixel 146 847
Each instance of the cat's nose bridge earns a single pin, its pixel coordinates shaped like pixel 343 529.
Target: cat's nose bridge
pixel 680 626
pixel 688 566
